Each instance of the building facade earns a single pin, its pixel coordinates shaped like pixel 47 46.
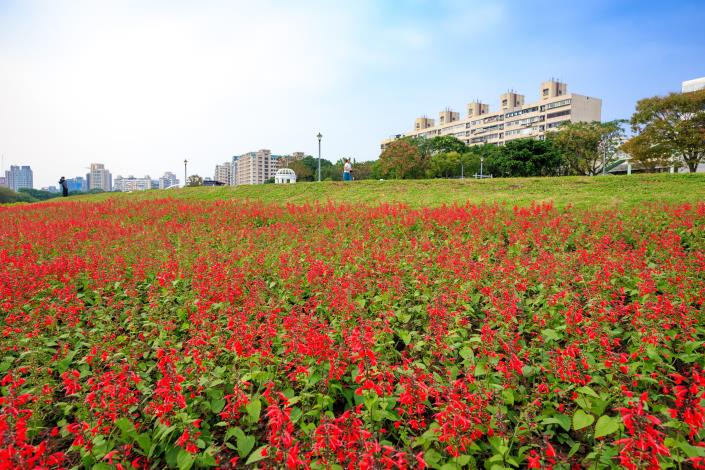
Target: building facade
pixel 233 170
pixel 256 167
pixel 169 179
pixel 132 184
pixel 693 85
pixel 99 178
pixel 18 177
pixel 77 184
pixel 222 173
pixel 514 119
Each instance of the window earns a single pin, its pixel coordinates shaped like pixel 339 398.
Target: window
pixel 545 92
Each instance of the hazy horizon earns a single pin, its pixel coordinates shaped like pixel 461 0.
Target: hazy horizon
pixel 139 87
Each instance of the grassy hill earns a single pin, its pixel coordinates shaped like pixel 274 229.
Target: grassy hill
pixel 585 192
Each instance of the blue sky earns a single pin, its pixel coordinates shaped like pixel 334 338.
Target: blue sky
pixel 139 86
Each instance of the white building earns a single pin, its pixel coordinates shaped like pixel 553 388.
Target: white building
pixel 132 184
pixel 284 176
pixel 693 85
pixel 99 178
pixel 169 179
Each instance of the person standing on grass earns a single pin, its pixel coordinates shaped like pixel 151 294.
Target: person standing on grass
pixel 64 186
pixel 347 170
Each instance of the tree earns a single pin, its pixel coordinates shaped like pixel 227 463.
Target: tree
pixel 364 170
pixel 444 165
pixel 303 172
pixel 445 144
pixel 646 155
pixel 404 159
pixel 39 194
pixel 194 180
pixel 8 196
pixel 587 147
pixel 526 157
pixel 676 123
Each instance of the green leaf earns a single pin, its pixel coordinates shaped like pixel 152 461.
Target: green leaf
pixel 144 441
pixel 550 335
pixel 588 391
pixel 582 419
pixel 561 420
pixel 184 459
pixel 253 409
pixel 126 426
pixel 508 396
pixel 257 455
pixel 606 425
pixel 244 444
pixel 217 405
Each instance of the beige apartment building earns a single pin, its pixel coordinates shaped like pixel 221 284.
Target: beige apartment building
pixel 222 173
pixel 514 119
pixel 256 167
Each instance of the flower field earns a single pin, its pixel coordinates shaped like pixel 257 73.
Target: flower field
pixel 193 334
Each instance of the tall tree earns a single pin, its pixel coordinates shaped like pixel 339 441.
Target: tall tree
pixel 194 180
pixel 676 123
pixel 527 157
pixel 588 147
pixel 643 153
pixel 445 144
pixel 403 159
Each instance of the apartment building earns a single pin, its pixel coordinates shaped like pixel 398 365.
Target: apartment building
pixel 255 167
pixel 222 173
pixel 18 177
pixel 99 178
pixel 168 180
pixel 514 119
pixel 132 184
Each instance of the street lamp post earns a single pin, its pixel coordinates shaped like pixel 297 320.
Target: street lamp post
pixel 319 136
pixel 185 162
pixel 482 159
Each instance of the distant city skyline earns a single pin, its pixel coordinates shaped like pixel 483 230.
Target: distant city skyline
pixel 141 87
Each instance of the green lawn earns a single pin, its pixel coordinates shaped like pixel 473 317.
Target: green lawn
pixel 584 192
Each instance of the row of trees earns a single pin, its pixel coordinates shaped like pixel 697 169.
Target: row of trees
pixel 575 149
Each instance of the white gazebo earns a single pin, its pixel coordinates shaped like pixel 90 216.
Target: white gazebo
pixel 284 176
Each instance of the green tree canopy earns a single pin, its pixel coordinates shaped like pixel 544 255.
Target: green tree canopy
pixel 194 180
pixel 587 147
pixel 675 124
pixel 645 154
pixel 526 157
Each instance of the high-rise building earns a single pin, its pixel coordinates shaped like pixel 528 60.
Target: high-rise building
pixel 18 177
pixel 77 184
pixel 514 120
pixel 693 85
pixel 3 181
pixel 168 180
pixel 222 173
pixel 132 184
pixel 233 170
pixel 99 178
pixel 256 167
